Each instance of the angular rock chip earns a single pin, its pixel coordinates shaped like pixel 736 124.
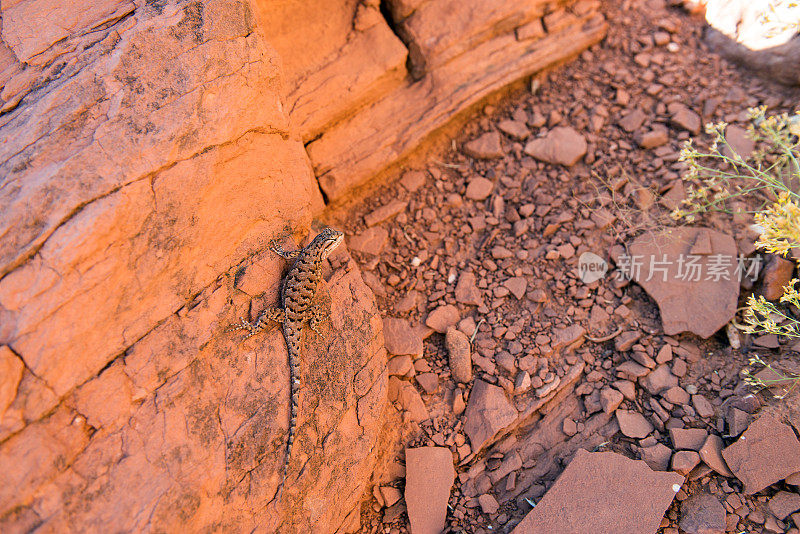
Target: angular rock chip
pixel 487 146
pixel 467 291
pixel 691 439
pixel 517 286
pixel 767 452
pixel 702 514
pixel 385 212
pixel 633 424
pixel 561 146
pixel 401 338
pixel 695 293
pixel 370 241
pixel 656 456
pixel 711 454
pixel 443 318
pixel 429 477
pixel 661 379
pixel 488 412
pixel 601 493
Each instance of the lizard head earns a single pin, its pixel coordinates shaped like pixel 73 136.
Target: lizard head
pixel 327 240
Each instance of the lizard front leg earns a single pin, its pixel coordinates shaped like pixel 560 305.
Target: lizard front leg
pixel 270 314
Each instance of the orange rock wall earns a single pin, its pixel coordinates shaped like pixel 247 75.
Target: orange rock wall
pixel 150 150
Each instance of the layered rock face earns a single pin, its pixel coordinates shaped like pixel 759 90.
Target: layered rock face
pixel 151 150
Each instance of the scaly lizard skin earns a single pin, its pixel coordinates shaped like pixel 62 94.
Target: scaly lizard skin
pixel 297 307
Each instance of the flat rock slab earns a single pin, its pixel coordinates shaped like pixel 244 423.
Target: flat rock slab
pixel 767 452
pixel 488 412
pixel 602 492
pixel 429 477
pixel 691 273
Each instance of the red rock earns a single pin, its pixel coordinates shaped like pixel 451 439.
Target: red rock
pixel 461 53
pixel 626 340
pixel 676 395
pixel 479 188
pixel 700 306
pixel 385 213
pixel 702 513
pixel 568 336
pixel 516 285
pixel 777 275
pixel 429 382
pixel 661 379
pixel 656 456
pixel 515 129
pixel 632 121
pixel 633 424
pixel 487 146
pixel 489 504
pixel 766 453
pixel 784 503
pixel 459 355
pixel 11 368
pixel 400 338
pixel 488 412
pixel 370 241
pixel 467 291
pixel 411 401
pixel 561 146
pixel 390 495
pixel 569 427
pixel 413 180
pixel 626 387
pixel 610 399
pixel 688 438
pixel 600 492
pixel 684 118
pixel 702 406
pixel 399 366
pixel 711 454
pixel 653 138
pixel 429 477
pixel 633 369
pixel 443 318
pixel 684 461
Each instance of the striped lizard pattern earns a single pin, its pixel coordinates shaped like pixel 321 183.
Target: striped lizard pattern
pixel 297 308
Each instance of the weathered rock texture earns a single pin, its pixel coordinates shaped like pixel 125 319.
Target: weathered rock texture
pixel 151 149
pixel 148 160
pixel 460 51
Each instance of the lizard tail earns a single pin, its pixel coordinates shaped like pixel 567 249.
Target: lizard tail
pixel 292 342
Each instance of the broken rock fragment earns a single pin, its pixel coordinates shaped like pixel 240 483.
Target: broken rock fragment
pixel 488 412
pixel 429 477
pixel 767 452
pixel 561 146
pixel 695 292
pixel 601 493
pixel 487 146
pixel 702 514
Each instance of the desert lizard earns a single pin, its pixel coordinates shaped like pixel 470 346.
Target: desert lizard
pixel 297 308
